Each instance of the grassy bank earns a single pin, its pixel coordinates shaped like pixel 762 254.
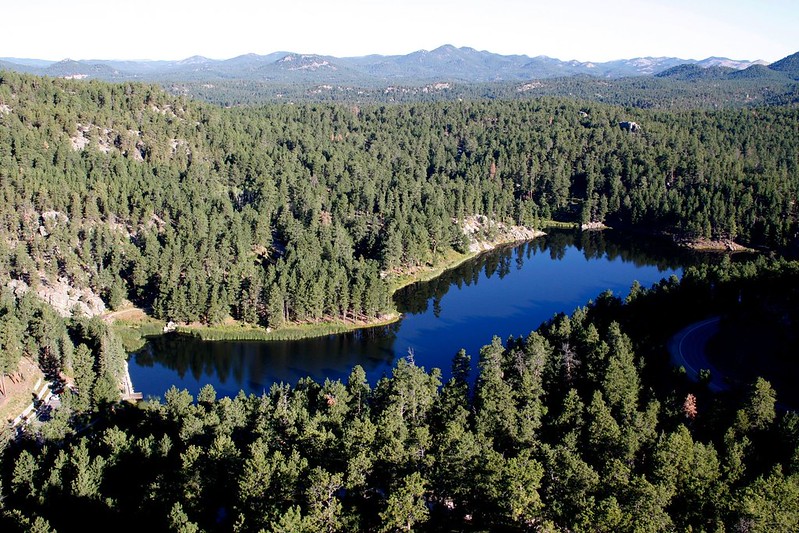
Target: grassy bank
pixel 133 336
pixel 559 225
pixel 448 261
pixel 241 332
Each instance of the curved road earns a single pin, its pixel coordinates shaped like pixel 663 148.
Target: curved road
pixel 687 349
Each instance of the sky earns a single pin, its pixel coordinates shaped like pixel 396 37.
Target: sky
pixel 585 30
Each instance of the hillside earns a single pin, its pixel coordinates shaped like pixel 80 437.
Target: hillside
pixel 788 66
pixel 759 72
pixel 695 72
pixel 124 190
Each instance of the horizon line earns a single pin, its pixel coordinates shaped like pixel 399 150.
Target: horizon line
pixel 446 45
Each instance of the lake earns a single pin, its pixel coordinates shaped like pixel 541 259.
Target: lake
pixel 508 291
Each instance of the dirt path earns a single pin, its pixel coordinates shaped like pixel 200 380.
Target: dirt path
pixel 132 314
pixel 19 389
pixel 687 349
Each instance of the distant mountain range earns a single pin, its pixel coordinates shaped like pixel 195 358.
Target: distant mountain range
pixel 446 63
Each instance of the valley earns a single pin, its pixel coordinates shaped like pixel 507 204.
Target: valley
pixel 524 386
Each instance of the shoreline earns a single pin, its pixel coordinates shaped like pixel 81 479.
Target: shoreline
pixel 127 383
pixel 430 273
pixel 307 331
pixel 402 280
pixel 296 331
pixel 240 332
pixel 714 245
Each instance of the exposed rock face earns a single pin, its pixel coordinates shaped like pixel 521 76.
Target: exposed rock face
pixel 485 234
pixel 63 297
pixel 18 287
pixel 55 216
pixel 630 126
pixel 51 219
pixel 726 245
pixel 593 226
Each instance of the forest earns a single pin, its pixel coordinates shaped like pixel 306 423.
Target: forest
pixel 580 426
pixel 296 213
pixel 302 213
pixel 643 92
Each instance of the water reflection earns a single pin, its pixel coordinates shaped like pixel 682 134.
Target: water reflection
pixel 592 245
pixel 254 366
pixel 506 292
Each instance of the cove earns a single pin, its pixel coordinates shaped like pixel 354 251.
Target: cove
pixel 506 292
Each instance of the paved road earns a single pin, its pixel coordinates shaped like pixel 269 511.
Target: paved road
pixel 687 349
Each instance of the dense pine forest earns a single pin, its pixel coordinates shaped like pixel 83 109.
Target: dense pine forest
pixel 291 212
pixel 674 92
pixel 303 213
pixel 579 426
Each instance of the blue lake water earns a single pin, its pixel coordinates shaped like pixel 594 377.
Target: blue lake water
pixel 509 291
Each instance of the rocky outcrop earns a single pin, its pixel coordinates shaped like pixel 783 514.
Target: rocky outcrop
pixel 485 234
pixel 63 297
pixel 723 245
pixel 593 226
pixel 630 126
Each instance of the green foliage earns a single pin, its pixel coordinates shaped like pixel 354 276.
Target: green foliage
pixel 179 521
pixel 524 446
pixel 292 215
pixel 771 503
pixel 87 472
pixel 759 412
pixel 288 214
pixel 23 481
pixel 405 506
pixel 751 87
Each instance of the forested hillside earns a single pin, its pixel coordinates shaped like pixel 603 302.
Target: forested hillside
pixel 747 88
pixel 82 352
pixel 580 426
pixel 304 213
pixel 296 212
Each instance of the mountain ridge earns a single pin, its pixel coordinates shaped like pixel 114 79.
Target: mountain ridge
pixel 788 65
pixel 445 62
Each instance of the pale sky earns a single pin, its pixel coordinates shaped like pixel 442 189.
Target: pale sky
pixel 586 30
